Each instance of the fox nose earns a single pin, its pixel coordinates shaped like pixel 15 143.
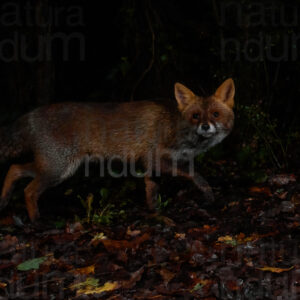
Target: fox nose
pixel 205 127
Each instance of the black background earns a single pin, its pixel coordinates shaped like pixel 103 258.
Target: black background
pixel 136 50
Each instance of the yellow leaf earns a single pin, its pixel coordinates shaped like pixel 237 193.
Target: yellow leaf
pixel 68 192
pixel 225 238
pixel 98 237
pixel 108 286
pixel 84 271
pixel 275 270
pixel 3 285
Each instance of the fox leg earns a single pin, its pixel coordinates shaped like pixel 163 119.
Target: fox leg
pixel 14 173
pixel 184 171
pixel 151 192
pixel 200 182
pixel 32 193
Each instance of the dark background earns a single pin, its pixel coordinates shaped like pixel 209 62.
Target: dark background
pixel 132 50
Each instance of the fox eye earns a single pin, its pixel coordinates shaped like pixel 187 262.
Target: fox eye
pixel 196 116
pixel 216 114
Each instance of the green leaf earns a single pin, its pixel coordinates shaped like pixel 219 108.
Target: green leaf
pixel 31 264
pixel 89 282
pixel 197 287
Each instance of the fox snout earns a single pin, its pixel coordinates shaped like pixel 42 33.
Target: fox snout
pixel 206 129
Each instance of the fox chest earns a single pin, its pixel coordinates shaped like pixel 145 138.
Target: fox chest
pixel 193 145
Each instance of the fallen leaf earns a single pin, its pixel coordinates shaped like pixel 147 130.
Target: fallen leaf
pixel 227 240
pixel 84 271
pixel 234 203
pixel 90 281
pixel 31 264
pixel 197 287
pixel 275 270
pixel 179 236
pixel 108 286
pixel 90 286
pixel 261 190
pixel 132 233
pixel 166 275
pixel 282 179
pixel 249 262
pixel 168 221
pixel 282 195
pixel 113 245
pixel 97 238
pixel 206 229
pixel 3 285
pixel 242 238
pixel 201 284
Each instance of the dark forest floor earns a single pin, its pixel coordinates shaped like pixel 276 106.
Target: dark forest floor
pixel 243 246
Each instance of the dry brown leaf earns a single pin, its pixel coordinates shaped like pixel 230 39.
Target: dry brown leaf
pixel 234 203
pixel 166 275
pixel 205 229
pixel 179 236
pixel 113 245
pixel 282 179
pixel 275 270
pixel 283 195
pixel 132 233
pixel 261 190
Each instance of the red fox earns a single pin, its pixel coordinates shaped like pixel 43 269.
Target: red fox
pixel 60 136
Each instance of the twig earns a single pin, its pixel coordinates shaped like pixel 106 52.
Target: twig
pixel 147 70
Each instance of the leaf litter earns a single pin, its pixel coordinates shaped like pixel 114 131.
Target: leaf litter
pixel 193 250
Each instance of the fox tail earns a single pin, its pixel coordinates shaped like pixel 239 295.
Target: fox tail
pixel 13 141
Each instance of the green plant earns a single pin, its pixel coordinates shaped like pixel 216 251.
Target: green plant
pixel 263 142
pixel 106 211
pixel 87 204
pixel 162 204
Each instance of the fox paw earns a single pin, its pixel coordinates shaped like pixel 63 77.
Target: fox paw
pixel 208 194
pixel 3 203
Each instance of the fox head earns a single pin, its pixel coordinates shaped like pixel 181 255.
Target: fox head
pixel 211 116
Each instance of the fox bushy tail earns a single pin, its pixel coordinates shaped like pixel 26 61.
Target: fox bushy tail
pixel 13 141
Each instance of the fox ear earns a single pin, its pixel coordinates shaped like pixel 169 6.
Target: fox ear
pixel 225 92
pixel 183 95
